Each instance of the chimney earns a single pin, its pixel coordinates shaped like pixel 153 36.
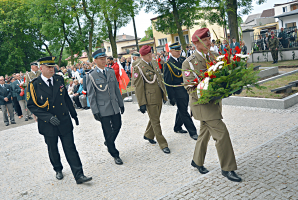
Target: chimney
pixel 123 36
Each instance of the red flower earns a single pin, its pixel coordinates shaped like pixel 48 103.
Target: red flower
pixel 212 76
pixel 210 63
pixel 206 74
pixel 230 51
pixel 238 50
pixel 195 80
pixel 225 50
pixel 234 58
pixel 201 70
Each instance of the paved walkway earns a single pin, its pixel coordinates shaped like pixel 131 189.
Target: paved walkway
pixel 148 173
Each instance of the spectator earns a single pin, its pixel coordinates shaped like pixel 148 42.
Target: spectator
pixel 5 102
pixel 77 92
pixel 266 41
pixel 282 36
pixel 21 99
pixel 244 48
pixel 127 69
pixel 75 74
pixel 213 47
pixel 223 47
pixel 14 95
pixel 233 45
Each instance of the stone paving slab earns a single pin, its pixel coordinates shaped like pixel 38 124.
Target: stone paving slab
pixel 147 172
pixel 268 172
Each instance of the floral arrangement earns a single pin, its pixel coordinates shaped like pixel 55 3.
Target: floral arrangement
pixel 65 77
pixel 23 87
pixel 225 76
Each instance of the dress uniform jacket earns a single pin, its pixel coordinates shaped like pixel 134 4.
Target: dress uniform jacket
pixel 134 63
pixel 107 100
pixel 201 112
pixel 45 102
pixel 148 81
pixel 171 79
pixel 5 91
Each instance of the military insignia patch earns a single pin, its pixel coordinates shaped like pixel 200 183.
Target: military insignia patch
pixel 28 96
pixel 208 33
pixel 136 75
pixel 53 58
pixel 186 73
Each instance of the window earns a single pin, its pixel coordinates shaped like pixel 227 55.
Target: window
pixel 284 9
pixel 294 7
pixel 289 25
pixel 185 38
pixel 109 49
pixel 162 42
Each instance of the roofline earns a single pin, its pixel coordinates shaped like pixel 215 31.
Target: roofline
pixel 284 3
pixel 286 15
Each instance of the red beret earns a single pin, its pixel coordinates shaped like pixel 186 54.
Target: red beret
pixel 272 32
pixel 145 50
pixel 201 33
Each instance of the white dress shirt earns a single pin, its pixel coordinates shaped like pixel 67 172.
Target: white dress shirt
pixel 45 79
pixel 204 56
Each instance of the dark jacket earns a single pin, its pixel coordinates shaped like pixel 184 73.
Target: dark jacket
pixel 16 90
pixel 60 105
pixel 171 79
pixel 5 92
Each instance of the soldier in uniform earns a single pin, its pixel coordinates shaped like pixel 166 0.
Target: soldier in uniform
pixel 135 60
pixel 178 95
pixel 32 75
pixel 210 115
pixel 105 101
pixel 47 98
pixel 150 92
pixel 273 47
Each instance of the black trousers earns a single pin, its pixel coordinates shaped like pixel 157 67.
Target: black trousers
pixel 77 101
pixel 70 151
pixel 111 126
pixel 17 106
pixel 183 117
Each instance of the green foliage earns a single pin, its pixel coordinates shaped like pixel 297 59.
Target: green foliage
pixel 149 34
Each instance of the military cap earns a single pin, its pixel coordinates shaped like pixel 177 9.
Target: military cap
pixel 136 54
pixel 34 63
pixel 48 61
pixel 145 50
pixel 175 46
pixel 201 33
pixel 99 53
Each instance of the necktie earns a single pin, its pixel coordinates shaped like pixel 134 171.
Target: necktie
pixel 104 73
pixel 150 65
pixel 50 82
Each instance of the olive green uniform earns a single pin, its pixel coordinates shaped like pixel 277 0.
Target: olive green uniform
pixel 210 116
pixel 31 75
pixel 150 91
pixel 134 63
pixel 273 44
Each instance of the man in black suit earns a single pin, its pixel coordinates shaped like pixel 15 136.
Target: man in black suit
pixel 178 95
pixel 6 102
pixel 47 98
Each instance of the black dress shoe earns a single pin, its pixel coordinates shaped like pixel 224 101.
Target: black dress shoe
pixel 13 122
pixel 166 150
pixel 6 124
pixel 30 117
pixel 26 119
pixel 150 140
pixel 118 161
pixel 83 179
pixel 195 137
pixel 59 175
pixel 181 131
pixel 231 175
pixel 87 108
pixel 201 169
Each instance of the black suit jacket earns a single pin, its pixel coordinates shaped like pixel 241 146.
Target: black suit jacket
pixel 60 106
pixel 5 92
pixel 169 78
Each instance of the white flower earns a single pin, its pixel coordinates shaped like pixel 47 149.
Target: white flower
pixel 220 57
pixel 216 66
pixel 242 56
pixel 203 85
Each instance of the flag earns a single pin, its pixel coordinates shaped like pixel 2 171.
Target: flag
pixel 124 80
pixel 167 46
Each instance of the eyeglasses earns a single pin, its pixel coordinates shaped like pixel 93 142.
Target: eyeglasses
pixel 1 79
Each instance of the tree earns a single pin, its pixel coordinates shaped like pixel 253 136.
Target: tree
pixel 116 14
pixel 135 7
pixel 173 15
pixel 148 34
pixel 19 41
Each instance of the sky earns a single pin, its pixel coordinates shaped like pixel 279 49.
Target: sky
pixel 143 19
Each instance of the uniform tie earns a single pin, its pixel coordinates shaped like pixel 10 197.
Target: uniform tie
pixel 50 82
pixel 104 73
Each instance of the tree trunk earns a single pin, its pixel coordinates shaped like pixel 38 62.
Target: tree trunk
pixel 71 57
pixel 180 32
pixel 111 37
pixel 90 42
pixel 48 50
pixel 135 30
pixel 61 51
pixel 232 19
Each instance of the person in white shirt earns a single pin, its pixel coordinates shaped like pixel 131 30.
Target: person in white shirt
pixel 213 47
pixel 76 74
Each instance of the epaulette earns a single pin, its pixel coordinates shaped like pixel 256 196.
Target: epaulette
pixel 90 71
pixel 33 80
pixel 190 57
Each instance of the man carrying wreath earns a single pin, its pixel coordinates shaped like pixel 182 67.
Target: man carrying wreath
pixel 210 114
